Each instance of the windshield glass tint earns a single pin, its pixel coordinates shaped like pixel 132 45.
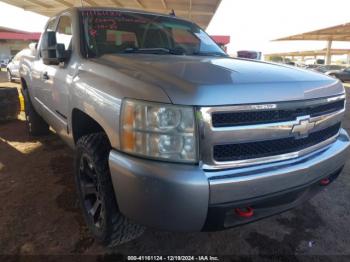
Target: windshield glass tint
pixel 111 32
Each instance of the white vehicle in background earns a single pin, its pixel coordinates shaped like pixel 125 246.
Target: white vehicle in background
pixel 12 67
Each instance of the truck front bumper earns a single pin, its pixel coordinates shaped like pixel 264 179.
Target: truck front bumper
pixel 180 197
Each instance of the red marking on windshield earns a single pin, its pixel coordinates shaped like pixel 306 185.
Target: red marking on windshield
pixel 101 13
pixel 93 32
pixel 104 23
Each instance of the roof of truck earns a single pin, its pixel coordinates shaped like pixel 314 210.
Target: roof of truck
pixel 198 11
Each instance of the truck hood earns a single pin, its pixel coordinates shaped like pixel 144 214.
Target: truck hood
pixel 207 81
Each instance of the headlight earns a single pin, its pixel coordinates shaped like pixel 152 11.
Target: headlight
pixel 160 131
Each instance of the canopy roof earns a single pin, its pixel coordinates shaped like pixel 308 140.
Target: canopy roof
pixel 334 33
pixel 199 11
pixel 312 52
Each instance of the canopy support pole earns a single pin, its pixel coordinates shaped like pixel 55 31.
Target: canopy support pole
pixel 328 53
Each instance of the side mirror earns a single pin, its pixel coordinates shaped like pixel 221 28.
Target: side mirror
pixel 61 53
pixel 51 52
pixel 48 48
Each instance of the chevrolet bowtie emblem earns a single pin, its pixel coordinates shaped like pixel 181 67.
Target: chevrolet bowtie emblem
pixel 303 128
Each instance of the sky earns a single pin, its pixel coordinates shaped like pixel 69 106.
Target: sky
pixel 252 24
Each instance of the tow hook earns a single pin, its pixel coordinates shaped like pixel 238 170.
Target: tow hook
pixel 244 212
pixel 325 182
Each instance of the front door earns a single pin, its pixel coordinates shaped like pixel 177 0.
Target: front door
pixel 40 91
pixel 61 76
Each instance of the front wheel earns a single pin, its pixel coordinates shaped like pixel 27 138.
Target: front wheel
pixel 96 194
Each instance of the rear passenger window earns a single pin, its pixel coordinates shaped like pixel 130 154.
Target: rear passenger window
pixel 64 32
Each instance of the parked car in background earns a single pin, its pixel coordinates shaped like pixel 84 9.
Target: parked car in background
pixel 343 75
pixel 13 65
pixel 290 63
pixel 249 54
pixel 325 68
pixel 3 63
pixel 320 61
pixel 312 66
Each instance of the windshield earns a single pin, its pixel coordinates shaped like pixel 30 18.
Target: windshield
pixel 115 32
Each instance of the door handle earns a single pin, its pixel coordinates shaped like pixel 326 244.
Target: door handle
pixel 45 76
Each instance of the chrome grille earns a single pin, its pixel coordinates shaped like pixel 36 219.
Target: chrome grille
pixel 231 152
pixel 224 119
pixel 260 133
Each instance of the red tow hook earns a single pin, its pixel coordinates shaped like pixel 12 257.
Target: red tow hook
pixel 325 182
pixel 244 212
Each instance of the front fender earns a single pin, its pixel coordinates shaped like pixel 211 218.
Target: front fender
pixel 99 93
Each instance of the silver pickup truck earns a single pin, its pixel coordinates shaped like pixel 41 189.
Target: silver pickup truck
pixel 169 132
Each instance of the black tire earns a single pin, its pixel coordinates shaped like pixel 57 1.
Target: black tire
pixel 9 103
pixel 96 194
pixel 35 124
pixel 9 76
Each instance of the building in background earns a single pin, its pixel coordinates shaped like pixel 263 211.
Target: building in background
pixel 12 41
pixel 222 40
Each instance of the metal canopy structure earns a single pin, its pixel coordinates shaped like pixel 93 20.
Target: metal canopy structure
pixel 334 33
pixel 313 53
pixel 199 11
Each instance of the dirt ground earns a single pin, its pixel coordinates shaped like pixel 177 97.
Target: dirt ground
pixel 39 213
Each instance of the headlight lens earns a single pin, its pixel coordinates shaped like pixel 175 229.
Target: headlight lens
pixel 159 131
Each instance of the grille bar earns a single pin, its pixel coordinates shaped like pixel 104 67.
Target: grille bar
pixel 251 150
pixel 227 119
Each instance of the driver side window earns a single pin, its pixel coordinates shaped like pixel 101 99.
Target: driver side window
pixel 64 32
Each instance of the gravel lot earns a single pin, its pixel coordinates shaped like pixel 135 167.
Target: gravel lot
pixel 39 213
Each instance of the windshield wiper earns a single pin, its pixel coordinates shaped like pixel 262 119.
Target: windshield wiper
pixel 210 54
pixel 176 51
pixel 156 50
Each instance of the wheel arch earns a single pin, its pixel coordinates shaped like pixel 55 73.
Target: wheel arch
pixel 83 124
